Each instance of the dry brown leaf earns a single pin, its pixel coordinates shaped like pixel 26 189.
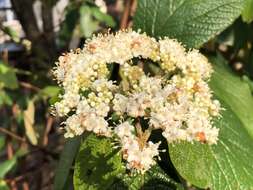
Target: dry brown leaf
pixel 29 123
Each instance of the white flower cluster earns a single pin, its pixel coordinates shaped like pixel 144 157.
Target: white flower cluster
pixel 176 99
pixel 138 155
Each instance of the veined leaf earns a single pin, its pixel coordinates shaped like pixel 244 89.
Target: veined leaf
pixel 229 164
pixel 192 22
pixel 234 92
pixel 98 167
pixel 154 178
pixel 225 166
pixel 97 164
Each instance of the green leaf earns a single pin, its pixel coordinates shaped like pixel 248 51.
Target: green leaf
pixel 192 22
pixel 50 91
pixel 2 142
pixel 229 164
pixel 66 159
pixel 154 178
pixel 8 77
pixel 192 162
pixel 6 166
pixel 225 166
pixel 234 92
pixel 5 99
pixel 97 164
pixel 12 33
pixel 98 167
pixel 87 23
pixel 248 81
pixel 103 17
pixel 247 13
pixel 54 99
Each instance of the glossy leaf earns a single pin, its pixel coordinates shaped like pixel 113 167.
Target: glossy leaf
pixel 192 22
pixel 225 166
pixel 235 92
pixel 229 164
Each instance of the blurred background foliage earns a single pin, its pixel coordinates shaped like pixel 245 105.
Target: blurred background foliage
pixel 32 35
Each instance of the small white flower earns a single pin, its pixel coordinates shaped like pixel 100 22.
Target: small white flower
pixel 120 103
pixel 124 130
pixel 139 158
pixel 83 107
pixel 73 126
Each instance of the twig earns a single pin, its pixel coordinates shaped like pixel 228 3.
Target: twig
pixel 5 56
pixel 142 136
pixel 13 135
pixel 10 153
pixel 47 130
pixel 22 72
pixel 126 13
pixel 29 86
pixel 9 149
pixel 25 185
pixel 24 175
pixel 133 7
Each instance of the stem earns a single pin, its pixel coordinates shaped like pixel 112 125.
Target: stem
pixel 29 86
pixel 142 136
pixel 11 134
pixel 47 130
pixel 139 129
pixel 126 14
